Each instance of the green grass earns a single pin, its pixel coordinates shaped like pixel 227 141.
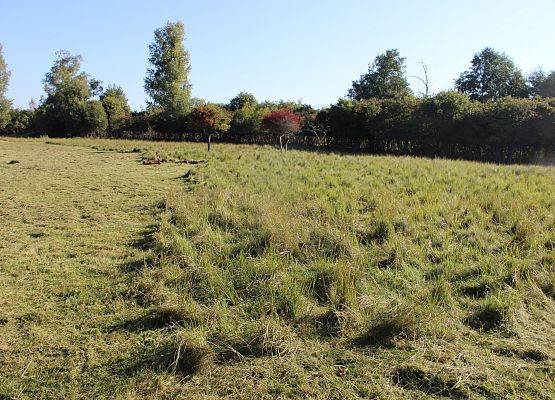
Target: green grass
pixel 250 273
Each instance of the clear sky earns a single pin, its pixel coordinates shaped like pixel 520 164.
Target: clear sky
pixel 285 49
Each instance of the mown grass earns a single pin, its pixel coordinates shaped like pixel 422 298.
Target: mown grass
pixel 297 274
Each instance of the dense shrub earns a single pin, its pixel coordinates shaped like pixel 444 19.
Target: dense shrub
pixel 248 120
pixel 396 119
pixel 516 121
pixel 20 121
pixel 95 121
pixel 448 118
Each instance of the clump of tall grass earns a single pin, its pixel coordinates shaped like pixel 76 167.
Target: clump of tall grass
pixel 191 352
pixel 335 283
pixel 547 285
pixel 170 316
pixel 237 340
pixel 414 377
pixel 390 326
pixel 524 232
pixel 493 314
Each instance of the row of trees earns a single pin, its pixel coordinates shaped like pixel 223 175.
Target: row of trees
pixel 492 103
pixel 491 76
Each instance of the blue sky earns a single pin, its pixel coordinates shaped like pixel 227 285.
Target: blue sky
pixel 295 50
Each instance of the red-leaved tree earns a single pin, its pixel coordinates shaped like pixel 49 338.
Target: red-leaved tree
pixel 210 119
pixel 282 124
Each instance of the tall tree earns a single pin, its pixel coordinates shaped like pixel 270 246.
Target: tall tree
pixel 68 89
pixel 385 79
pixel 116 107
pixel 167 81
pixel 492 75
pixel 542 84
pixel 5 104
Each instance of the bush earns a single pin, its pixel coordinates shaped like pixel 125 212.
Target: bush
pixel 396 119
pixel 247 121
pixel 446 116
pixel 339 120
pixel 520 121
pixel 20 121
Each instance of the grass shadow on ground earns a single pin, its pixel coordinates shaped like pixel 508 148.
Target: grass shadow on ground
pixel 162 317
pixel 146 239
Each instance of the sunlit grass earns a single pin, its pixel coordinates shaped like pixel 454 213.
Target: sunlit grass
pixel 298 274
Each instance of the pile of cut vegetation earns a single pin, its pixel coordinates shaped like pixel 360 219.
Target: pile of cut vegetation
pixel 340 276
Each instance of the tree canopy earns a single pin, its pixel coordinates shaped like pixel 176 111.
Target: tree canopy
pixel 68 89
pixel 167 80
pixel 243 99
pixel 281 122
pixel 116 107
pixel 542 84
pixel 210 118
pixel 5 104
pixel 385 79
pixel 492 75
pixel 94 118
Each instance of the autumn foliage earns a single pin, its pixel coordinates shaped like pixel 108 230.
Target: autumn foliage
pixel 281 122
pixel 210 118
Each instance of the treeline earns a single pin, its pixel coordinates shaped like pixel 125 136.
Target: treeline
pixel 448 124
pixel 493 112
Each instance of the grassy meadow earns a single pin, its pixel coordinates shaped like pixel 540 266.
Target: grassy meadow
pixel 250 273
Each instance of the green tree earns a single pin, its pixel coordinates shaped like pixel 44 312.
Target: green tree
pixel 21 121
pixel 95 121
pixel 248 120
pixel 167 81
pixel 243 99
pixel 68 90
pixel 5 104
pixel 542 85
pixel 492 75
pixel 385 79
pixel 116 107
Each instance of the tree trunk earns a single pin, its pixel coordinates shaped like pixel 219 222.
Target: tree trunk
pixel 281 143
pixel 209 143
